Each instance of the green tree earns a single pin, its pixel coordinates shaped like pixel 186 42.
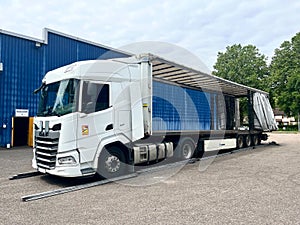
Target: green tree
pixel 244 65
pixel 284 78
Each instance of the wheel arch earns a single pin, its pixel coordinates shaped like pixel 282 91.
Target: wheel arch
pixel 110 142
pixel 126 151
pixel 113 160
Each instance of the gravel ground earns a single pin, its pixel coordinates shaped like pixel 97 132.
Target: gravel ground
pixel 259 186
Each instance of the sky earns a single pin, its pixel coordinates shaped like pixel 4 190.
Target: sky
pixel 202 27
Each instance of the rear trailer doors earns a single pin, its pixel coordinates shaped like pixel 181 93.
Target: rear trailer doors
pixel 263 110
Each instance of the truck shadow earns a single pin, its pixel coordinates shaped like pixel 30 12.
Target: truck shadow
pixel 62 182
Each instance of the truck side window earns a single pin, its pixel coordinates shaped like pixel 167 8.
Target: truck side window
pixel 95 97
pixel 103 97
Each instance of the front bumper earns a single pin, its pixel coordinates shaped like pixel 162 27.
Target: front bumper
pixel 62 170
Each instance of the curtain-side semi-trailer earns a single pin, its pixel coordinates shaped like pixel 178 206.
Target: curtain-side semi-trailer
pixel 106 116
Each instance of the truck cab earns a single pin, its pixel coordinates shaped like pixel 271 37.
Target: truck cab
pixel 84 108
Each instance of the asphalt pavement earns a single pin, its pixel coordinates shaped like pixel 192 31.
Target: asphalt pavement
pixel 258 186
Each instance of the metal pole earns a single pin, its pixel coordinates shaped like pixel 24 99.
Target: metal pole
pixel 250 110
pixel 298 122
pixel 237 114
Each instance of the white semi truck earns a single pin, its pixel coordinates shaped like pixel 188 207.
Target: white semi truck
pixel 107 116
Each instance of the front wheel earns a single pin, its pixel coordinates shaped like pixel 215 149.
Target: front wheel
pixel 112 163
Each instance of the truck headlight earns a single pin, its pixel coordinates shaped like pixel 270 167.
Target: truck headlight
pixel 68 160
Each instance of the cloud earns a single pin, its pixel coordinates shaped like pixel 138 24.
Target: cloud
pixel 202 27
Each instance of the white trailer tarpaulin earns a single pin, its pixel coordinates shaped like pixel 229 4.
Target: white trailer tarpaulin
pixel 264 112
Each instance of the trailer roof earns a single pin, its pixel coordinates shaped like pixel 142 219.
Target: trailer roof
pixel 168 71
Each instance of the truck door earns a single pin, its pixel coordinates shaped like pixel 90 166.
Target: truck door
pixel 96 120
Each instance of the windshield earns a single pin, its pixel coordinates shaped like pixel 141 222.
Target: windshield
pixel 59 98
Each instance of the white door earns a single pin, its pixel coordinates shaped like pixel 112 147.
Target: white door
pixel 96 120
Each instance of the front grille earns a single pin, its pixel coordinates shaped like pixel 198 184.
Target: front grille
pixel 46 150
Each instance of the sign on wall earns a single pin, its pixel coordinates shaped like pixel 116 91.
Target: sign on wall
pixel 22 113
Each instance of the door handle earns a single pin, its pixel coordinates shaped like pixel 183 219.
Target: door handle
pixel 109 127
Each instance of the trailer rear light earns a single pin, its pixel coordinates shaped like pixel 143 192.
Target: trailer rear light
pixel 68 160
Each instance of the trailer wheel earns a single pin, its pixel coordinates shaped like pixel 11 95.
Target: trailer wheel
pixel 239 141
pixel 247 140
pixel 111 163
pixel 259 140
pixel 255 140
pixel 186 149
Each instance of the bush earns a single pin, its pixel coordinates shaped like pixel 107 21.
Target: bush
pixel 288 127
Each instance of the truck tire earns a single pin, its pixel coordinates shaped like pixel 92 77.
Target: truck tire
pixel 112 163
pixel 247 140
pixel 255 140
pixel 259 140
pixel 186 149
pixel 240 141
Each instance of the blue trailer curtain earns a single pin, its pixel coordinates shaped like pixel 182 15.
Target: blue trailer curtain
pixel 178 108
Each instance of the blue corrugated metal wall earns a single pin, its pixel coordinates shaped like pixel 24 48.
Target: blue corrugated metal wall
pixel 71 50
pixel 24 66
pixel 22 70
pixel 178 108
